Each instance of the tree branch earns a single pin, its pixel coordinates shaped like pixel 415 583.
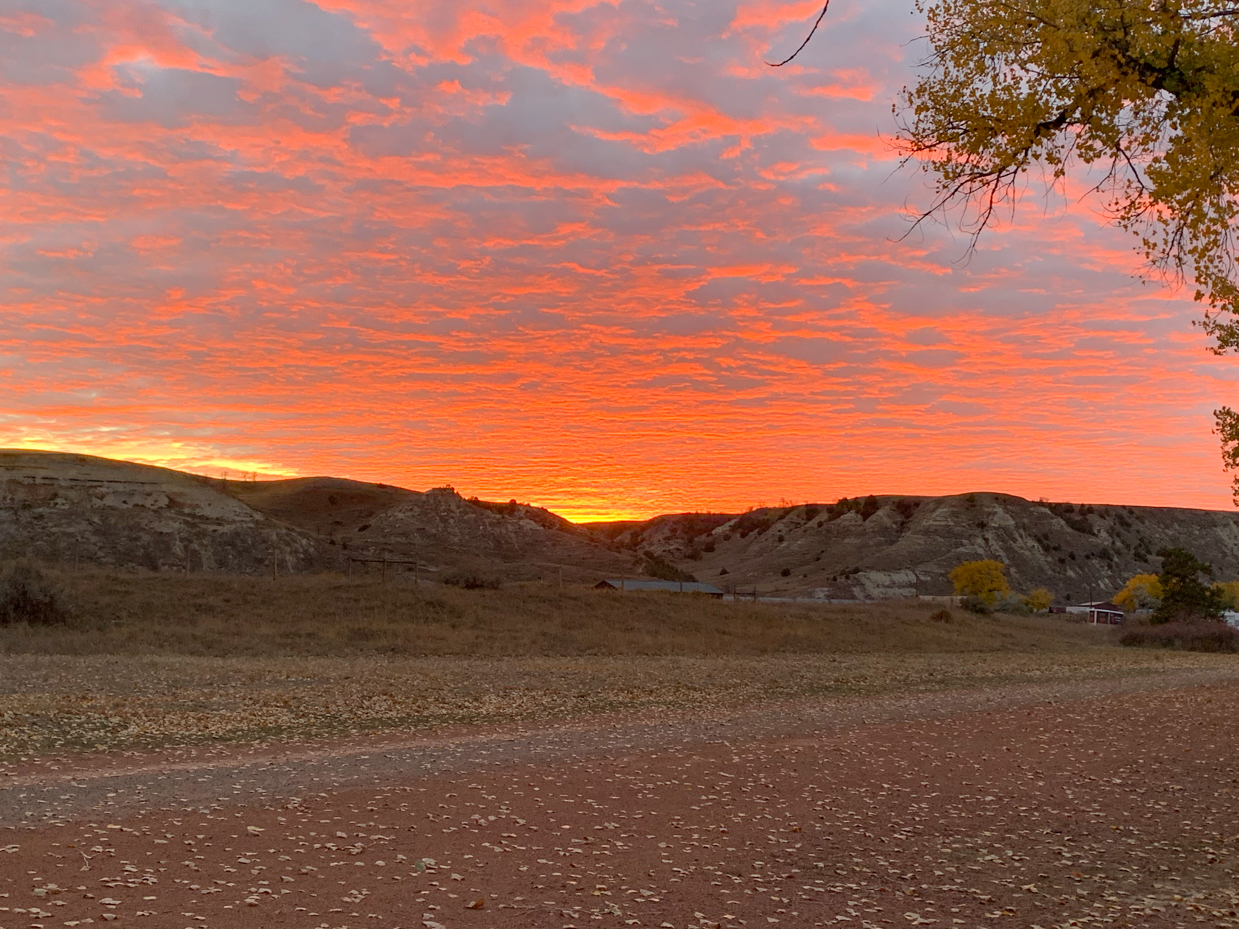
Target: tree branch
pixel 805 42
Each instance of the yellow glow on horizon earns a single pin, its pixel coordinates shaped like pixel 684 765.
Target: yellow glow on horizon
pixel 177 456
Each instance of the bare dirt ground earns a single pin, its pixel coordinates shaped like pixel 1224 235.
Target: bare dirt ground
pixel 1102 796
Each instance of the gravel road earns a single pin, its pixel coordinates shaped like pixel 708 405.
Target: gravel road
pixel 1108 802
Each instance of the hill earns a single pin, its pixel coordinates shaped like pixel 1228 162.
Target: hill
pixel 80 509
pixel 70 508
pixel 438 528
pixel 888 546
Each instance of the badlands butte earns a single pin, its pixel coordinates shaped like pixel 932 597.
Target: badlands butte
pixel 81 510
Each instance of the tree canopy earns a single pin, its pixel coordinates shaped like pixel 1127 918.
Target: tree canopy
pixel 1142 592
pixel 1184 596
pixel 983 579
pixel 1147 89
pixel 1145 92
pixel 1142 93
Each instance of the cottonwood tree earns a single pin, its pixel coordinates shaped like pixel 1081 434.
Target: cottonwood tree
pixel 985 580
pixel 1138 97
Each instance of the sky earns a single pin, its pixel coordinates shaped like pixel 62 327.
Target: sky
pixel 594 256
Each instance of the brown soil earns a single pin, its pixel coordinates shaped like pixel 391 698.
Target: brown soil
pixel 1070 803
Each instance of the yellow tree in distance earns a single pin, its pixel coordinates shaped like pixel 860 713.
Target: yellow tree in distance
pixel 1039 600
pixel 1230 593
pixel 1142 592
pixel 985 579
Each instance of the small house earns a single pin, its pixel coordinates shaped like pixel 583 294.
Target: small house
pixel 680 587
pixel 1100 612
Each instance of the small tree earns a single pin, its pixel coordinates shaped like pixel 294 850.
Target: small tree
pixel 1184 596
pixel 1039 600
pixel 1142 592
pixel 983 579
pixel 1229 592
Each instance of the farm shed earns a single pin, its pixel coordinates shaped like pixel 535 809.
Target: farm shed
pixel 1102 612
pixel 679 587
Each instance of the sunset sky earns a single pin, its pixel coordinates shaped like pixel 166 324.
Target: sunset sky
pixel 596 256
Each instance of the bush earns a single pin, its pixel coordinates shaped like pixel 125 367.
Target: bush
pixel 941 616
pixel 470 580
pixel 1198 636
pixel 975 604
pixel 1013 606
pixel 28 595
pixel 665 570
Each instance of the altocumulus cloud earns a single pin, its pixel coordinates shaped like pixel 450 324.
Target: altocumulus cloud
pixel 593 254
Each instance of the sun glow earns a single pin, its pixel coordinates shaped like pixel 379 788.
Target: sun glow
pixel 535 252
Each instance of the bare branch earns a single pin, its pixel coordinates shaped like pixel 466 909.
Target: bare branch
pixel 805 42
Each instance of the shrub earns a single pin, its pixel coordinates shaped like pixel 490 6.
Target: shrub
pixel 786 572
pixel 28 595
pixel 869 507
pixel 1197 636
pixel 470 580
pixel 1013 606
pixel 941 616
pixel 974 604
pixel 664 570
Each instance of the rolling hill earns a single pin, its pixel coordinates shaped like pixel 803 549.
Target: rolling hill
pixel 75 509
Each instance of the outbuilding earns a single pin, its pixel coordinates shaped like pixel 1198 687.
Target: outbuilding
pixel 679 587
pixel 1101 612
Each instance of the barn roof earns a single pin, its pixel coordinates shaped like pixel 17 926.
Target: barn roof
pixel 695 587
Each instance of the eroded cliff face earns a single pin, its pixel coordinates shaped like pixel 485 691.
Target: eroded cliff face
pixel 443 532
pixel 903 546
pixel 75 508
pixel 68 509
pixel 80 509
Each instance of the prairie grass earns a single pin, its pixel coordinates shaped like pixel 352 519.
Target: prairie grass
pixel 1195 636
pixel 160 660
pixel 331 616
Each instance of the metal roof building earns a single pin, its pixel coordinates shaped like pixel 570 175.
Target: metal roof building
pixel 680 587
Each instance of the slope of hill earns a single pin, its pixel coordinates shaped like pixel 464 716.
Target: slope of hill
pixel 900 546
pixel 76 508
pixel 439 529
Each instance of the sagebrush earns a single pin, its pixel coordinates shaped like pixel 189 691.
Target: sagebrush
pixel 31 596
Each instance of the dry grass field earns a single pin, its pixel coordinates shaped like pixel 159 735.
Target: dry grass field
pixel 158 660
pixel 122 613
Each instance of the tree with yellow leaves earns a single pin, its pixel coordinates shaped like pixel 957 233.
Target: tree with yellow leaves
pixel 1144 95
pixel 1039 600
pixel 983 579
pixel 1229 591
pixel 1143 592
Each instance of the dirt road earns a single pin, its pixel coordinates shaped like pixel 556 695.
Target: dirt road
pixel 1109 802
